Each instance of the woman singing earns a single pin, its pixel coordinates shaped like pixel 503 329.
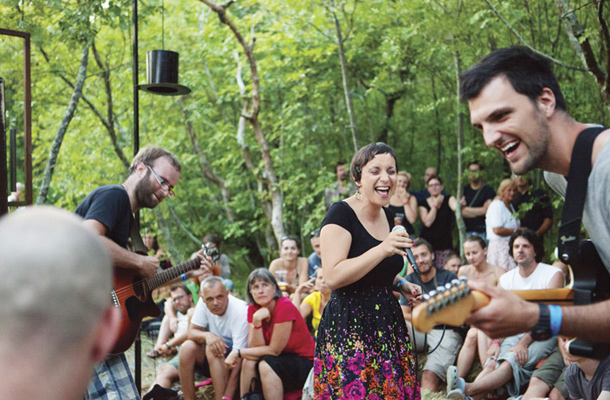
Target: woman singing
pixel 362 347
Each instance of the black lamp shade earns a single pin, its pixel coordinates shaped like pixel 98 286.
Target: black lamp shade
pixel 162 74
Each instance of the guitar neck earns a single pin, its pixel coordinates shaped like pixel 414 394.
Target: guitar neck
pixel 168 275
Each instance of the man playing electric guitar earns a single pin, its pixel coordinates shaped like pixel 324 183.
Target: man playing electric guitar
pixel 515 99
pixel 108 211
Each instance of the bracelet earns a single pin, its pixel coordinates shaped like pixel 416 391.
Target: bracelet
pixel 257 327
pixel 496 342
pixel 399 284
pixel 556 317
pixel 168 346
pixel 239 353
pixel 183 277
pixel 226 398
pixel 437 207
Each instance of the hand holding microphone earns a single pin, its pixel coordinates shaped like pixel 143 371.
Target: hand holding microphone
pixel 410 256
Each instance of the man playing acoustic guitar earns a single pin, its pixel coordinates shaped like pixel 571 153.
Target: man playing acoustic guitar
pixel 515 100
pixel 108 211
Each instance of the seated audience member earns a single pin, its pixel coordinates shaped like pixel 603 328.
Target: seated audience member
pixel 280 348
pixel 403 204
pixel 297 268
pixel 437 216
pixel 221 267
pixel 219 325
pixel 519 354
pixel 588 379
pixel 501 222
pixel 480 270
pixel 56 317
pixel 450 340
pixel 548 381
pixel 315 302
pixel 315 259
pixel 170 337
pixel 453 262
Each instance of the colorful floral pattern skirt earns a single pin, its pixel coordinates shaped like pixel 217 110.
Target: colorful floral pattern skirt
pixel 363 349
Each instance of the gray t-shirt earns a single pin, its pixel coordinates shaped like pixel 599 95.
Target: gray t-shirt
pixel 596 215
pixel 580 388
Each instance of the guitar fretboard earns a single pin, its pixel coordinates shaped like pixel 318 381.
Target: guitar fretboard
pixel 161 278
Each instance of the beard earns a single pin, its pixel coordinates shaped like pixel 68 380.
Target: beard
pixel 537 147
pixel 145 193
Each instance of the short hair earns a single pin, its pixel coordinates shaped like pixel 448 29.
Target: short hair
pixel 505 184
pixel 315 233
pixel 423 242
pixel 531 237
pixel 182 286
pixel 476 162
pixel 528 73
pixel 366 154
pixel 212 238
pixel 452 254
pixel 212 281
pixel 149 154
pixel 338 164
pixel 293 238
pixel 56 279
pixel 261 274
pixel 406 175
pixel 476 239
pixel 438 178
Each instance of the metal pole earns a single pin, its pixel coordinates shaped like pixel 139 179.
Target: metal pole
pixel 136 148
pixel 3 171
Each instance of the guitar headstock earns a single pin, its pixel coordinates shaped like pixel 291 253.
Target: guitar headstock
pixel 451 304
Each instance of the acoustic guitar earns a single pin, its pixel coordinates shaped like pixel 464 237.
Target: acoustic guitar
pixel 132 294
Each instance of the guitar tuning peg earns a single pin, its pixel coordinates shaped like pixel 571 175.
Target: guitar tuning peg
pixel 426 296
pixel 456 282
pixel 463 279
pixel 448 286
pixel 432 293
pixel 440 289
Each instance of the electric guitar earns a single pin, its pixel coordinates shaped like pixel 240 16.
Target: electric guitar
pixel 132 294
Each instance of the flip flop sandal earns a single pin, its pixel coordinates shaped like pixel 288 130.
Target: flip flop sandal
pixel 204 383
pixel 453 380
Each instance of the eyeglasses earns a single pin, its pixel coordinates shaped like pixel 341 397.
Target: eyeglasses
pixel 434 184
pixel 164 185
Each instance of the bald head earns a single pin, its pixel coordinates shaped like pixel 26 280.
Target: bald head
pixel 56 278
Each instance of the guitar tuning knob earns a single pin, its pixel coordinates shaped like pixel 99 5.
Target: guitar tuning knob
pixel 456 282
pixel 426 296
pixel 432 293
pixel 448 286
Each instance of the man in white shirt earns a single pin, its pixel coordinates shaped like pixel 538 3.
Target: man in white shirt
pixel 219 324
pixel 519 354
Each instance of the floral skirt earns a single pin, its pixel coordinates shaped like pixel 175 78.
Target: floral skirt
pixel 363 349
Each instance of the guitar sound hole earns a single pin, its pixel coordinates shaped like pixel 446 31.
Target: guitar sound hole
pixel 139 288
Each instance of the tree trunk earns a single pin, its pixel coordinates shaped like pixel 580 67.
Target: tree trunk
pixel 348 97
pixel 63 127
pixel 170 246
pixel 460 144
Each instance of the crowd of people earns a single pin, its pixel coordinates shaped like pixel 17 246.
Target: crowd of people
pixel 337 324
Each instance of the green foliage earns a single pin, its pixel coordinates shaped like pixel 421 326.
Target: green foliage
pixel 400 58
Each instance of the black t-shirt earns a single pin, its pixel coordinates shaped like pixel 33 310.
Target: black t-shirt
pixel 439 233
pixel 110 206
pixel 442 277
pixel 477 224
pixel 540 208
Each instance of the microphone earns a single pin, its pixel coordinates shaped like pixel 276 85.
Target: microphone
pixel 410 256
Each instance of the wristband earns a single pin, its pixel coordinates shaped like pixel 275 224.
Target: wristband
pixel 496 342
pixel 239 353
pixel 183 277
pixel 257 327
pixel 556 317
pixel 226 398
pixel 399 284
pixel 168 346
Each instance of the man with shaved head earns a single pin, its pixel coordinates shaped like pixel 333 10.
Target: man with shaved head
pixel 56 317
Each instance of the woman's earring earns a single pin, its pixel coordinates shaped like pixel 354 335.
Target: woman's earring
pixel 358 194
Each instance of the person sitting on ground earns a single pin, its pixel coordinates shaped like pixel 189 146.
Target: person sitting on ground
pixel 437 215
pixel 315 302
pixel 453 262
pixel 479 270
pixel 280 348
pixel 403 204
pixel 56 318
pixel 548 381
pixel 588 379
pixel 315 260
pixel 219 325
pixel 166 345
pixel 297 268
pixel 450 340
pixel 519 354
pixel 501 222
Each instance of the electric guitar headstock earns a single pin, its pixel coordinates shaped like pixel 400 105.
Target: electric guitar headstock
pixel 451 304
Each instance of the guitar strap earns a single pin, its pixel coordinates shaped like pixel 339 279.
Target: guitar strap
pixel 576 193
pixel 136 239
